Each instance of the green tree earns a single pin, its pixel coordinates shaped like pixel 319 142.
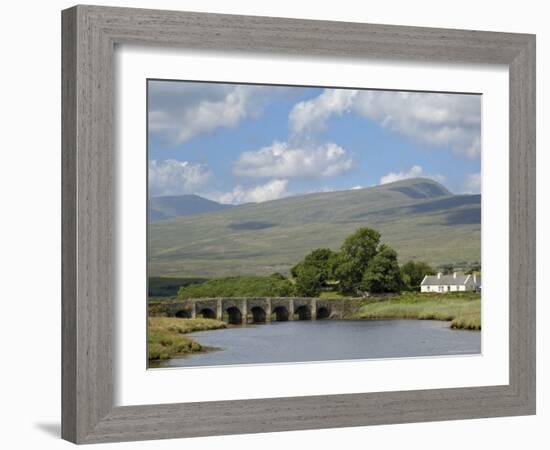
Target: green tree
pixel 447 269
pixel 321 260
pixel 308 282
pixel 414 272
pixel 356 252
pixel 383 273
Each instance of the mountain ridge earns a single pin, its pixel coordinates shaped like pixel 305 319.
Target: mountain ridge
pixel 419 217
pixel 169 206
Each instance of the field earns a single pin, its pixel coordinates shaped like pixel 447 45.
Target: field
pixel 419 218
pixel 462 310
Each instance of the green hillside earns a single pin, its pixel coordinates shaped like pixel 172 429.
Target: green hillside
pixel 166 207
pixel 419 218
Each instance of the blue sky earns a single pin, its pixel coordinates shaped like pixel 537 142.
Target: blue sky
pixel 241 143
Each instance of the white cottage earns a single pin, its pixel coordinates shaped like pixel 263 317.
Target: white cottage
pixel 450 283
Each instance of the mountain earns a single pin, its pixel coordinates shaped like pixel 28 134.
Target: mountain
pixel 418 217
pixel 161 208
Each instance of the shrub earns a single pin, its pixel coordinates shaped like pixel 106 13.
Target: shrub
pixel 274 285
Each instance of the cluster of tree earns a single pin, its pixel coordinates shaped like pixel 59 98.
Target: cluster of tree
pixel 363 264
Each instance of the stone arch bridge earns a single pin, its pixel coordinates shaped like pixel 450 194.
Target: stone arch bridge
pixel 256 310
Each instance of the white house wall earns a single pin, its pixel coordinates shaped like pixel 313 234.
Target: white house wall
pixel 447 288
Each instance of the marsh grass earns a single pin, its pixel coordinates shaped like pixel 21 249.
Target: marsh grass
pixel 463 310
pixel 165 336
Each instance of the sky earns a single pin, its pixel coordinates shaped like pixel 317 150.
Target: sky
pixel 236 143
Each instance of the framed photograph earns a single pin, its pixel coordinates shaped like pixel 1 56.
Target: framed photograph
pixel 267 222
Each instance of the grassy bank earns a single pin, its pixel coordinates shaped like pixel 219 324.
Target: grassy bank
pixel 165 336
pixel 463 310
pixel 334 294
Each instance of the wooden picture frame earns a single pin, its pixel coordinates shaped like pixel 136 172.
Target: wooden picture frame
pixel 90 34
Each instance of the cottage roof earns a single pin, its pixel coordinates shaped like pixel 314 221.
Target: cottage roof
pixel 446 280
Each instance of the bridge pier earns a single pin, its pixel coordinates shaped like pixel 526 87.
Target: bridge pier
pixel 313 307
pixel 268 311
pixel 291 309
pixel 244 311
pixel 219 310
pixel 194 310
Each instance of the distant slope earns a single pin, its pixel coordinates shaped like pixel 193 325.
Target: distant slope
pixel 419 218
pixel 180 205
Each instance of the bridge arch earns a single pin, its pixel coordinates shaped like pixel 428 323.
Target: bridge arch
pixel 183 314
pixel 280 313
pixel 234 315
pixel 258 314
pixel 303 312
pixel 323 312
pixel 207 313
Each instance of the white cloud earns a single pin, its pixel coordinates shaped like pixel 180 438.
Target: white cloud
pixel 311 115
pixel 180 111
pixel 171 177
pixel 437 119
pixel 472 183
pixel 413 172
pixel 449 120
pixel 284 161
pixel 272 190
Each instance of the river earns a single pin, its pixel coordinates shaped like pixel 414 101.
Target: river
pixel 325 340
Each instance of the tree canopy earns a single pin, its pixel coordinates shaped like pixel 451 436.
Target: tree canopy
pixel 413 273
pixel 322 260
pixel 383 273
pixel 308 282
pixel 353 259
pixel 362 263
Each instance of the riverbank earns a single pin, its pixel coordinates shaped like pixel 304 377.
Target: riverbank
pixel 462 309
pixel 166 340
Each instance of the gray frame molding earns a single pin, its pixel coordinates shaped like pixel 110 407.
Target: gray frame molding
pixel 89 36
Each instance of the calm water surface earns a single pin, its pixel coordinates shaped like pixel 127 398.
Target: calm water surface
pixel 330 340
